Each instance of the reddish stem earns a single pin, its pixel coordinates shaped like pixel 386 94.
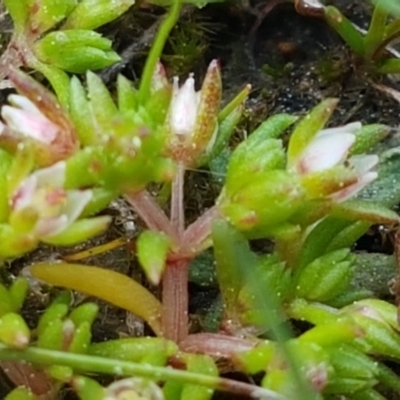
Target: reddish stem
pixel 151 213
pixel 24 374
pixel 175 301
pixel 199 231
pixel 177 206
pixel 216 344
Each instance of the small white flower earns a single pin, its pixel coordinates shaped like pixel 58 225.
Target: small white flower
pixel 192 121
pixel 57 208
pixel 184 107
pixel 24 118
pixel 330 148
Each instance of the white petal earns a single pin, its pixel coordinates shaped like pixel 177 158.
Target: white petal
pixel 76 202
pixel 24 103
pixel 351 190
pixel 47 227
pixel 363 163
pixel 23 196
pixel 53 176
pixel 325 152
pixel 29 124
pixel 353 127
pixel 183 109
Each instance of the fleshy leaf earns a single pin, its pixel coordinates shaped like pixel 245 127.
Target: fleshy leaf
pixel 366 211
pixel 308 127
pixel 76 50
pixel 116 288
pixel 80 231
pixel 19 11
pixel 152 250
pixel 91 14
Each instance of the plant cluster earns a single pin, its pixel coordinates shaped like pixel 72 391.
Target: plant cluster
pixel 64 158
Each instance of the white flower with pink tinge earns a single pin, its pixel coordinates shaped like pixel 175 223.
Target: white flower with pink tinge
pixel 25 119
pixel 330 148
pixel 184 106
pixel 56 208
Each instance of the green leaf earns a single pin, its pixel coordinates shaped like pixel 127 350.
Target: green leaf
pixel 345 29
pixel 385 190
pixel 81 338
pixel 376 30
pixel 85 313
pixel 80 231
pixel 201 364
pixel 272 128
pixel 55 312
pixel 133 349
pixel 58 79
pixel 152 249
pixel 80 111
pixel 352 363
pixel 390 66
pixel 21 393
pixel 49 13
pixel 17 293
pixel 14 331
pixel 232 253
pixel 127 95
pixel 91 14
pixel 366 211
pixel 368 136
pixel 101 198
pixel 308 127
pixel 252 159
pixel 88 389
pixel 21 166
pixel 225 129
pixel 325 277
pixel 103 106
pixel 19 11
pixel 5 163
pixel 76 50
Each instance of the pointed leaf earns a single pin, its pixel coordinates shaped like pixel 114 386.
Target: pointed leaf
pixel 19 11
pixel 80 231
pixel 345 29
pixel 308 127
pixel 81 113
pixel 368 136
pixel 152 250
pixel 127 95
pixel 91 14
pixel 366 211
pixel 104 108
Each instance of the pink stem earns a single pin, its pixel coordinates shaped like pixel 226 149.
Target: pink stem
pixel 216 344
pixel 200 230
pixel 177 206
pixel 175 301
pixel 151 213
pixel 24 374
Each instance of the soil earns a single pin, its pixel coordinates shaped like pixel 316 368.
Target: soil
pixel 292 62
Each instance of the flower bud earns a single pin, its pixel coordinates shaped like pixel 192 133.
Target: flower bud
pixel 76 50
pixel 36 116
pixel 192 118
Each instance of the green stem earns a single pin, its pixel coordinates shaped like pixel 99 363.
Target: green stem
pixel 80 362
pixel 156 50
